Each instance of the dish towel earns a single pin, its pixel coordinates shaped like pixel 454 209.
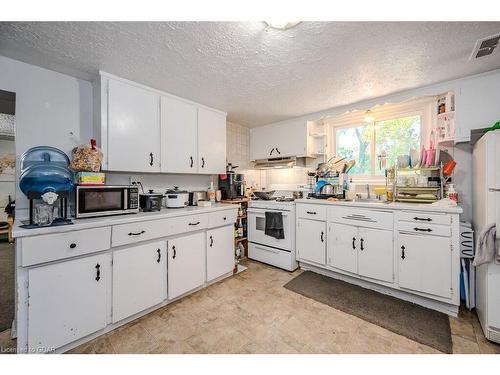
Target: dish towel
pixel 487 249
pixel 274 225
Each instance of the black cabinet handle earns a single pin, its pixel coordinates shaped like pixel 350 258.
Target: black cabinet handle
pixel 151 159
pixel 354 243
pixel 311 212
pixel 72 246
pixel 362 241
pixel 159 256
pixel 175 252
pixel 416 218
pixel 422 230
pixel 137 233
pixel 322 237
pixel 192 161
pixel 271 152
pixel 203 162
pixel 278 151
pixel 98 272
pixel 403 252
pixel 194 223
pixel 211 241
pixel 225 218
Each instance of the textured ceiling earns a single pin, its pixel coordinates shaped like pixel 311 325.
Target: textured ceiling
pixel 257 76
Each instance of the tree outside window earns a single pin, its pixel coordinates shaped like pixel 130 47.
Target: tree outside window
pixel 390 138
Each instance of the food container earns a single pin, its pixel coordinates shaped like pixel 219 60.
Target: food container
pixel 90 178
pixel 449 167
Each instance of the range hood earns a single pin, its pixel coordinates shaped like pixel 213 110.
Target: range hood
pixel 275 163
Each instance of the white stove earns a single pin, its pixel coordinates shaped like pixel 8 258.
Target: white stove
pixel 265 248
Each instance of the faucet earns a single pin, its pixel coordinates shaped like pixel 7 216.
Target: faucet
pixel 368 191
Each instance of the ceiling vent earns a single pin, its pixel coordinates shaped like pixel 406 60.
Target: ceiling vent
pixel 485 46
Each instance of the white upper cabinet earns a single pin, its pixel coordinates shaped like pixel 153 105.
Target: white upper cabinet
pixel 133 128
pixel 211 141
pixel 279 140
pixel 141 129
pixel 179 134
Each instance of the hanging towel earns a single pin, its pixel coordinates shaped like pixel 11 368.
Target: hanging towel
pixel 487 249
pixel 274 225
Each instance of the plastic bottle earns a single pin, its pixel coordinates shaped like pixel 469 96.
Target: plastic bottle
pixel 211 192
pixel 452 193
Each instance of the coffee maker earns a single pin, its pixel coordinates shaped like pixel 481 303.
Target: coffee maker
pixel 231 183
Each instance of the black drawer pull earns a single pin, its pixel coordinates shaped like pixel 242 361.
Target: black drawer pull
pixel 137 233
pixel 151 159
pixel 194 223
pixel 72 246
pixel 191 161
pixel 354 243
pixel 322 237
pixel 211 241
pixel 203 162
pixel 175 252
pixel 159 256
pixel 225 218
pixel 98 272
pixel 271 152
pixel 416 218
pixel 278 151
pixel 362 241
pixel 403 252
pixel 422 230
pixel 311 212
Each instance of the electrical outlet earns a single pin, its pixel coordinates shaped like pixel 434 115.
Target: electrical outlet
pixel 134 180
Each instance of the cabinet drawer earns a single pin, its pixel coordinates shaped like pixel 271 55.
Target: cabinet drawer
pixel 429 229
pixel 135 232
pixel 220 218
pixel 189 223
pixel 311 211
pixel 361 217
pixel 270 255
pixel 41 249
pixel 424 217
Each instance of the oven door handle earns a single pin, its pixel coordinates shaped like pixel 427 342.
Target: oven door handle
pixel 262 211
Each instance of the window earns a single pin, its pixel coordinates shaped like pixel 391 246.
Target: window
pixel 375 146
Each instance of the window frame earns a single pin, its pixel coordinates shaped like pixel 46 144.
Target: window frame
pixel 356 119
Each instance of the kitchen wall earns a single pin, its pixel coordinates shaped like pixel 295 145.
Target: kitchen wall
pixel 477 99
pixel 56 110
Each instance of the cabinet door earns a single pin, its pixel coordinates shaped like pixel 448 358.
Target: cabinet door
pixel 343 246
pixel 220 252
pixel 67 301
pixel 186 264
pixel 375 254
pixel 311 241
pixel 425 264
pixel 211 142
pixel 147 287
pixel 133 128
pixel 179 132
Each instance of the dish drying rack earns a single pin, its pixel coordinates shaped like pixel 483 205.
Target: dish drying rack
pixel 409 194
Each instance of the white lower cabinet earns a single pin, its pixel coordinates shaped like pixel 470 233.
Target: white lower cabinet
pixel 67 301
pixel 342 247
pixel 139 279
pixel 220 252
pixel 425 264
pixel 186 264
pixel 311 241
pixel 376 254
pixel 363 251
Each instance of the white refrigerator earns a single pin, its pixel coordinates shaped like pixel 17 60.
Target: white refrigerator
pixel 486 210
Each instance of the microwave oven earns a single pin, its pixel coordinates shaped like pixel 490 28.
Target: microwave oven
pixel 105 200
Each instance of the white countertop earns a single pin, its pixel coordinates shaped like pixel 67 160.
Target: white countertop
pixel 95 222
pixel 386 206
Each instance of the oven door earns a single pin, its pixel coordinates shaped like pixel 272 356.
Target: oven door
pixel 95 201
pixel 257 226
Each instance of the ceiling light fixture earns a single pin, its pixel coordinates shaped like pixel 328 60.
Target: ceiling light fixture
pixel 369 117
pixel 280 25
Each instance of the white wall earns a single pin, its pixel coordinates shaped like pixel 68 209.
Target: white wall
pixel 56 110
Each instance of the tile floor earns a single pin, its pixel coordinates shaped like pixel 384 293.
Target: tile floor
pixel 252 313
